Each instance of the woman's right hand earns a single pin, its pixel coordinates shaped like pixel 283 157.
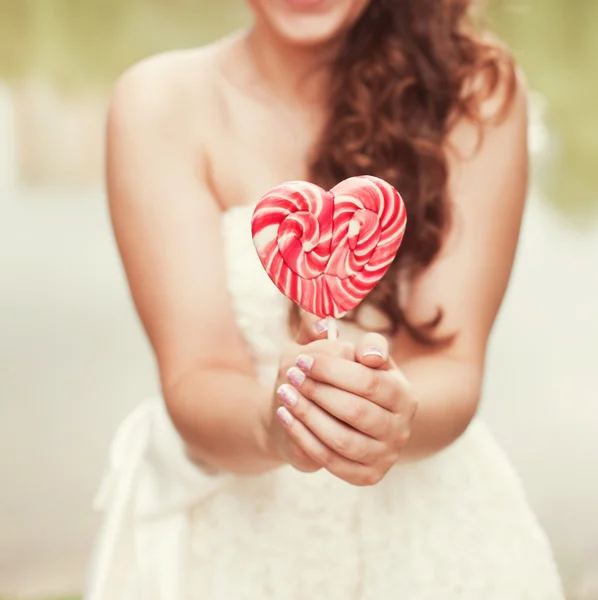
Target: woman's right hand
pixel 310 338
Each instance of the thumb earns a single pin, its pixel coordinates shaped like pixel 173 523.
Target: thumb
pixel 373 351
pixel 311 328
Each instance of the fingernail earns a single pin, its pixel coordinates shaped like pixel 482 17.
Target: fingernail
pixel 287 394
pixel 373 351
pixel 284 415
pixel 322 326
pixel 296 376
pixel 304 362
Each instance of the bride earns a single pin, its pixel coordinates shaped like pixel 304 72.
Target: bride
pixel 279 464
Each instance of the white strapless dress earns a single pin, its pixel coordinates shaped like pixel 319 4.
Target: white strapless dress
pixel 455 526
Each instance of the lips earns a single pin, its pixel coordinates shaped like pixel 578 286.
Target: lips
pixel 305 4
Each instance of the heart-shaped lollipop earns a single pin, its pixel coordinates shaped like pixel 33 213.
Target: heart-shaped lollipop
pixel 327 250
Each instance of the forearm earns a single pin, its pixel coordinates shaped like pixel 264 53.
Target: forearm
pixel 221 415
pixel 448 393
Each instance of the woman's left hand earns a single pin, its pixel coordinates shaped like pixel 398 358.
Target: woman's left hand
pixel 351 417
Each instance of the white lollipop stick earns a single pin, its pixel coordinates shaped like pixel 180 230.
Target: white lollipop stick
pixel 332 328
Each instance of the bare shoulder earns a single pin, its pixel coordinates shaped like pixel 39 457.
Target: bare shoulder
pixel 171 93
pixel 502 109
pixel 508 99
pixel 491 149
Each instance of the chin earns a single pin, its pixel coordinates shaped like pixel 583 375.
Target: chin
pixel 309 23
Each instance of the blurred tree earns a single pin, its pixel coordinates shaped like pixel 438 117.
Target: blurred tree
pixel 78 42
pixel 15 37
pixel 555 42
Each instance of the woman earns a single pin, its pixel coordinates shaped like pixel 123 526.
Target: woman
pixel 285 465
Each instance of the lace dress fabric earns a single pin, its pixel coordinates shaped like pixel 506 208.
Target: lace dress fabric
pixel 455 526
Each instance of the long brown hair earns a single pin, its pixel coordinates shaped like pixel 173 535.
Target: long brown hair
pixel 401 81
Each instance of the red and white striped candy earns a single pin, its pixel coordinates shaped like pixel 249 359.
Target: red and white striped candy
pixel 327 250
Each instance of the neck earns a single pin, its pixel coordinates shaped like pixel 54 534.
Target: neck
pixel 295 74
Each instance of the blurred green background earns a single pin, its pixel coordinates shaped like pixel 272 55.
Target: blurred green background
pixel 79 43
pixel 73 344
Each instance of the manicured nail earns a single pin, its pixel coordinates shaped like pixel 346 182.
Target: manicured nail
pixel 373 351
pixel 304 362
pixel 296 376
pixel 284 415
pixel 322 326
pixel 287 394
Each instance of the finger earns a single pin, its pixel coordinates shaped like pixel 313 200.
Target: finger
pixel 373 351
pixel 300 461
pixel 305 440
pixel 342 349
pixel 336 435
pixel 379 386
pixel 311 328
pixel 343 468
pixel 357 412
